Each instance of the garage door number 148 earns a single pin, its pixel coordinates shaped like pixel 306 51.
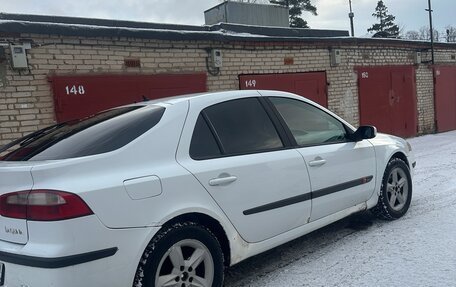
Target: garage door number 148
pixel 75 90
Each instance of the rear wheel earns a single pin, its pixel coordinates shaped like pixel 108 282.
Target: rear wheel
pixel 182 255
pixel 396 191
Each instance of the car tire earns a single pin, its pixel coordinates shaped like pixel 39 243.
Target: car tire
pixel 396 191
pixel 182 253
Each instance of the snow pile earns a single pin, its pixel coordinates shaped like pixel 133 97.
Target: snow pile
pixel 416 250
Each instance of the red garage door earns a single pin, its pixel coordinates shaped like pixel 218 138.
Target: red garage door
pixel 309 85
pixel 387 99
pixel 80 96
pixel 445 98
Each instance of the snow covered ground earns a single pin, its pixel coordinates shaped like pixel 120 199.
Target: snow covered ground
pixel 416 250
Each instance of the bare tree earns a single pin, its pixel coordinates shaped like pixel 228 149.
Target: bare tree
pixel 412 35
pixel 425 34
pixel 450 34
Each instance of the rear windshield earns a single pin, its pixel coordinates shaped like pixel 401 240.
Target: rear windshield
pixel 103 132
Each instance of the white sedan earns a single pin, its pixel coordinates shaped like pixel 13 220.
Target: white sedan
pixel 172 191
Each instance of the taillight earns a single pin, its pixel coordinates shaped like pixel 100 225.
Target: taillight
pixel 14 204
pixel 43 205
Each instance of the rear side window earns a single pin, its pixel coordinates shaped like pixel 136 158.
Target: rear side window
pixel 203 143
pixel 243 126
pixel 101 133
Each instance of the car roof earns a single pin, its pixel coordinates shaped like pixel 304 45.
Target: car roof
pixel 224 94
pixel 182 98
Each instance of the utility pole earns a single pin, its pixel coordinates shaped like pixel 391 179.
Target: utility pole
pixel 432 31
pixel 351 15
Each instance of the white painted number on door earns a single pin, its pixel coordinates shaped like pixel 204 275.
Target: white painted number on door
pixel 365 75
pixel 250 84
pixel 75 90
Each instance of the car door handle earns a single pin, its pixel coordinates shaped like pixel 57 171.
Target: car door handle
pixel 222 180
pixel 317 162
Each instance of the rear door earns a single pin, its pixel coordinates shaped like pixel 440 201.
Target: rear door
pixel 14 177
pixel 239 156
pixel 341 171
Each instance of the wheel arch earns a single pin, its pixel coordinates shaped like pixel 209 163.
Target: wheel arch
pixel 385 153
pixel 212 224
pixel 400 155
pixel 382 207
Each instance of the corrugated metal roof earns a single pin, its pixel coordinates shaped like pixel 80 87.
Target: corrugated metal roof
pixel 248 13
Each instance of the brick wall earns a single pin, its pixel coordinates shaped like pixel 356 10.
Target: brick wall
pixel 425 99
pixel 26 101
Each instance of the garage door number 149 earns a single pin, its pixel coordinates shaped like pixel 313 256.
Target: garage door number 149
pixel 250 84
pixel 75 90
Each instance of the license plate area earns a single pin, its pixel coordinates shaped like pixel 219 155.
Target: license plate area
pixel 13 230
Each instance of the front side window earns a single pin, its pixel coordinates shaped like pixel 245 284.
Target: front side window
pixel 243 126
pixel 308 124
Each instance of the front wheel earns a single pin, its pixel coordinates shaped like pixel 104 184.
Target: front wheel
pixel 182 255
pixel 396 191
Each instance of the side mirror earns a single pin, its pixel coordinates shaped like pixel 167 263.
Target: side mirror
pixel 364 133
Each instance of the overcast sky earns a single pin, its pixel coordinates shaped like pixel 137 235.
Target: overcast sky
pixel 333 14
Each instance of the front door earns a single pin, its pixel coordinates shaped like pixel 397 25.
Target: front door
pixel 342 175
pixel 341 171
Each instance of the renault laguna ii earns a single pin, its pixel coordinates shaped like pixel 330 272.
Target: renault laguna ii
pixel 170 192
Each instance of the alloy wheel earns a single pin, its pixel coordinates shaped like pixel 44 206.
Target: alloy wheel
pixel 188 263
pixel 397 189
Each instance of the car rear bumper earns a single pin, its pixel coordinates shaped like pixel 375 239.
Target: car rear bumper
pixel 56 262
pixel 74 253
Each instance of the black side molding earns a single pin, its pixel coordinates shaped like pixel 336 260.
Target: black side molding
pixel 340 187
pixel 278 204
pixel 309 196
pixel 58 262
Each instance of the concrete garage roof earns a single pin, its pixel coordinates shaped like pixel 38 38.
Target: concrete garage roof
pixel 72 26
pixel 16 24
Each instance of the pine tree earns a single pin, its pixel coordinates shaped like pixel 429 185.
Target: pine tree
pixel 297 7
pixel 386 28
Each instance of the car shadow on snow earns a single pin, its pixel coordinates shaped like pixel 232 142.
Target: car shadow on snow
pixel 301 250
